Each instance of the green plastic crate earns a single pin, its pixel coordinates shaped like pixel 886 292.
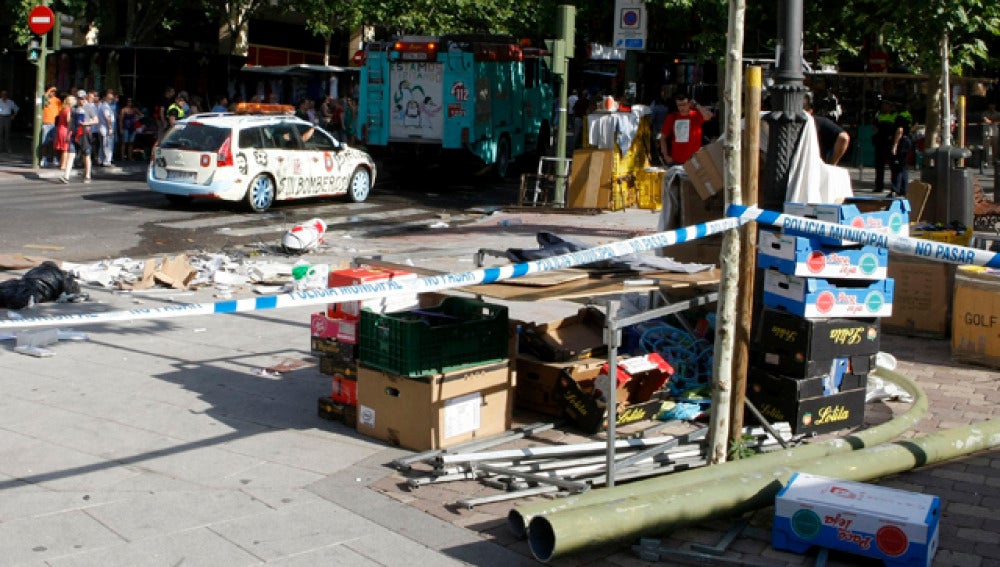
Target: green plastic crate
pixel 456 334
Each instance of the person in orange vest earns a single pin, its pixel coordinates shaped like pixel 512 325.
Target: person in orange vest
pixel 51 106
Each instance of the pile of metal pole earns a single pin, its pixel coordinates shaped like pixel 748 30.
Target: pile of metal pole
pixel 561 470
pixel 654 506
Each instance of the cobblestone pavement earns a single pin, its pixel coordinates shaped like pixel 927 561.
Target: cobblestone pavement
pixel 958 394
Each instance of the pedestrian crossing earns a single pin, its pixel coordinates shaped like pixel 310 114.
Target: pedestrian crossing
pixel 111 198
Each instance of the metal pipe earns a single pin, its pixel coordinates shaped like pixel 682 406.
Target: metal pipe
pixel 519 518
pixel 575 529
pixel 549 451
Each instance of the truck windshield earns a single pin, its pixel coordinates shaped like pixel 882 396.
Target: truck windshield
pixel 196 137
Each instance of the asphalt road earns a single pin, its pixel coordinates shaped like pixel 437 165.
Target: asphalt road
pixel 117 216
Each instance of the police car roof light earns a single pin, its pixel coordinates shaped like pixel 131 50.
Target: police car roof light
pixel 264 108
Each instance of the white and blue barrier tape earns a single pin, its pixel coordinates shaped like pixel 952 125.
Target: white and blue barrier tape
pixel 736 215
pixel 927 249
pixel 378 289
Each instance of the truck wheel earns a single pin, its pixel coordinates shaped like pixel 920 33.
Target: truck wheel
pixel 503 162
pixel 260 194
pixel 544 141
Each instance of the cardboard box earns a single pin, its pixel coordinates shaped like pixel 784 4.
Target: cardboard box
pixel 705 170
pixel 820 298
pixel 896 526
pixel 760 381
pixel 323 326
pixel 802 256
pixel 576 336
pixel 921 305
pixel 975 322
pixel 385 277
pixel 637 398
pixel 345 352
pixel 329 409
pixel 886 216
pixel 345 390
pixel 705 250
pixel 336 366
pixel 537 382
pixel 435 411
pixel 803 341
pixel 821 414
pixel 694 209
pixel 797 366
pixel 590 179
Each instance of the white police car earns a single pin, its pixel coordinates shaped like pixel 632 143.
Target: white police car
pixel 259 155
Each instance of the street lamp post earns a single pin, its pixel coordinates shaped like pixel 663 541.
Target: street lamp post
pixel 787 118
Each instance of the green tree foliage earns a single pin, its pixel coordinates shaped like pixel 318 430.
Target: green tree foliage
pixel 432 17
pixel 910 31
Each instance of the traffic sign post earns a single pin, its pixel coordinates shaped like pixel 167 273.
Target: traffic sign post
pixel 40 20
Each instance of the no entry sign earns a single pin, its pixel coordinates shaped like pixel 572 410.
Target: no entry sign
pixel 41 19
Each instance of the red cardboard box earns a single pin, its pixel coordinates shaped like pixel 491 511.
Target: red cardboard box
pixel 345 390
pixel 325 327
pixel 393 301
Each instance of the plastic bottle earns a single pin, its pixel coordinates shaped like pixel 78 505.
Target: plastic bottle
pixel 300 270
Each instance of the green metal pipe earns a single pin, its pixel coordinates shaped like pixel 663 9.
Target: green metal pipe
pixel 573 530
pixel 519 518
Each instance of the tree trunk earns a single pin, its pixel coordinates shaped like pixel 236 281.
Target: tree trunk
pixel 933 133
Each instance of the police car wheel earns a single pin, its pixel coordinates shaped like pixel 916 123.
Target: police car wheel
pixel 260 194
pixel 360 186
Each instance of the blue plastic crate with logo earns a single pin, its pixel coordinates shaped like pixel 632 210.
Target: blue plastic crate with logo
pixel 819 298
pixel 886 216
pixel 808 257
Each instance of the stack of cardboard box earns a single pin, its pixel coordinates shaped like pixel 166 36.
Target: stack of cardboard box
pixel 334 335
pixel 817 334
pixel 436 376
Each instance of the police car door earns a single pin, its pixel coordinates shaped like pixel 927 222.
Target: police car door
pixel 324 157
pixel 286 160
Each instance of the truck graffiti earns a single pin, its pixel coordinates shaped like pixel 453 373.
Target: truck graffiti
pixel 478 96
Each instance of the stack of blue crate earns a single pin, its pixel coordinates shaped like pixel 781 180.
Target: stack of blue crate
pixel 817 332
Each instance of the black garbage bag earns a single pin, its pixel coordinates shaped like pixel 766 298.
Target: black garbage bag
pixel 553 245
pixel 44 282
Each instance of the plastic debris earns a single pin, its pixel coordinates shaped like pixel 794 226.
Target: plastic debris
pixel 304 237
pixel 879 389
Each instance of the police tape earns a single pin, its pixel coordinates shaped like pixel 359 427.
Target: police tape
pixel 927 249
pixel 384 288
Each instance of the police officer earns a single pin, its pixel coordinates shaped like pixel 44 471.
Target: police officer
pixel 176 111
pixel 891 127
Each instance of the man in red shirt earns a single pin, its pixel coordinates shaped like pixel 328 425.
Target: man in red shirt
pixel 681 134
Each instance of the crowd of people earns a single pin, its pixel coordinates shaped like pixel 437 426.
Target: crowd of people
pixel 87 127
pixel 90 128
